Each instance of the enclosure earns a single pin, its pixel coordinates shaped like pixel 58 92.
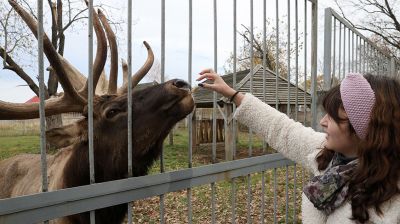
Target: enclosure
pixel 214 171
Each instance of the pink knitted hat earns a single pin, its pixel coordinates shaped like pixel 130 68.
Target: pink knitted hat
pixel 358 100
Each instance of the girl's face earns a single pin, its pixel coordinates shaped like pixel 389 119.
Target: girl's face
pixel 338 136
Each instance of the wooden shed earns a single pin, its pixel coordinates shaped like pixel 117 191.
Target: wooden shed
pixel 202 118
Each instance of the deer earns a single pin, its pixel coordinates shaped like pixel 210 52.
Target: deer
pixel 155 111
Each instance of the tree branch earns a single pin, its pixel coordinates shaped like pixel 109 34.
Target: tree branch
pixel 20 72
pixel 74 19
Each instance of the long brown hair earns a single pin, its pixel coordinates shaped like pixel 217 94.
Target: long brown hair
pixel 376 177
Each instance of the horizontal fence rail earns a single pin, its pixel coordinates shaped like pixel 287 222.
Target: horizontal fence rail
pixel 45 206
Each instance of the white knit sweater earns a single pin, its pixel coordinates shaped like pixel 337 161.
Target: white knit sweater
pixel 301 144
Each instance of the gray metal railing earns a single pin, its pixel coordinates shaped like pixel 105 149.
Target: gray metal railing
pixel 50 205
pixel 356 54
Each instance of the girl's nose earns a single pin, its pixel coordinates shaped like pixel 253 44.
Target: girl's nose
pixel 323 121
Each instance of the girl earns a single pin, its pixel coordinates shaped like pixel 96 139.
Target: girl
pixel 356 162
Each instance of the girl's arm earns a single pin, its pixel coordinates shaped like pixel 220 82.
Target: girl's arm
pixel 291 138
pixel 285 135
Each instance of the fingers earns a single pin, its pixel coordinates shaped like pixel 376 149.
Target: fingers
pixel 208 76
pixel 207 70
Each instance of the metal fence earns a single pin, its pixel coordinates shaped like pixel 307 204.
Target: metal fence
pixel 347 50
pixel 50 205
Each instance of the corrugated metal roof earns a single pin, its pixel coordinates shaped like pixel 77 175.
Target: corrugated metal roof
pixel 204 97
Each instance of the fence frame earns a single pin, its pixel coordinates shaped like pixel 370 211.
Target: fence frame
pixel 394 64
pixel 49 205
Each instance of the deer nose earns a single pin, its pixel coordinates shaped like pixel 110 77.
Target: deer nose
pixel 181 84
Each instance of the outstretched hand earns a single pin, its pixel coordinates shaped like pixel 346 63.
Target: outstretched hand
pixel 219 85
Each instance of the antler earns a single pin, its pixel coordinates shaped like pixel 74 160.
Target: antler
pixel 112 87
pixel 72 100
pixel 141 72
pixel 20 111
pixel 101 53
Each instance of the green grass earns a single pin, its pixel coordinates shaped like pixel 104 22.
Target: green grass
pixel 11 146
pixel 175 158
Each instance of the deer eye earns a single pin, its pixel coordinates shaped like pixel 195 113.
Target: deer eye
pixel 111 113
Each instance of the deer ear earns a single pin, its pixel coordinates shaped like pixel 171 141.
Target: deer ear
pixel 67 135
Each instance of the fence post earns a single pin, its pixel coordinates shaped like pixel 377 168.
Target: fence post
pixel 228 132
pixel 393 67
pixel 314 50
pixel 327 48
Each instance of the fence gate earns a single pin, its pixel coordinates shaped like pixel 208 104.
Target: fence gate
pixel 295 24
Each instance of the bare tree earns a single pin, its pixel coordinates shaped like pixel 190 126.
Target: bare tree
pixel 244 56
pixel 381 18
pixel 16 42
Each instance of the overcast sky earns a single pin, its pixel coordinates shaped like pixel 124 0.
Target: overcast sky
pixel 147 26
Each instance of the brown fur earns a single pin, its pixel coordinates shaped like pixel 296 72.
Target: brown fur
pixel 155 111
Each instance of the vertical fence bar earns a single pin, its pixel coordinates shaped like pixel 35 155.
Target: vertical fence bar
pixel 276 94
pixel 376 61
pixel 42 114
pixel 379 61
pixel 214 147
pixel 364 57
pixel 296 10
pixel 356 52
pixel 314 45
pixel 371 63
pixel 249 220
pixel 349 51
pixel 327 48
pixel 264 61
pixel 90 103
pixel 379 58
pixel 352 51
pixel 305 78
pixel 296 18
pixel 360 46
pixel 190 117
pixel 344 51
pixel 334 52
pixel 392 67
pixel 288 61
pixel 162 197
pixel 287 112
pixel 130 170
pixel 233 186
pixel 340 49
pixel 367 69
pixel 370 56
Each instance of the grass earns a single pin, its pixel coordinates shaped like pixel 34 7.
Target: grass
pixel 176 203
pixel 14 145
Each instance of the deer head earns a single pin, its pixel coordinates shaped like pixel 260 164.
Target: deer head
pixel 155 109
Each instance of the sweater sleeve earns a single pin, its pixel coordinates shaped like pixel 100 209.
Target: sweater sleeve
pixel 291 138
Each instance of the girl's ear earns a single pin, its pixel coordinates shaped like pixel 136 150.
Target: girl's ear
pixel 343 114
